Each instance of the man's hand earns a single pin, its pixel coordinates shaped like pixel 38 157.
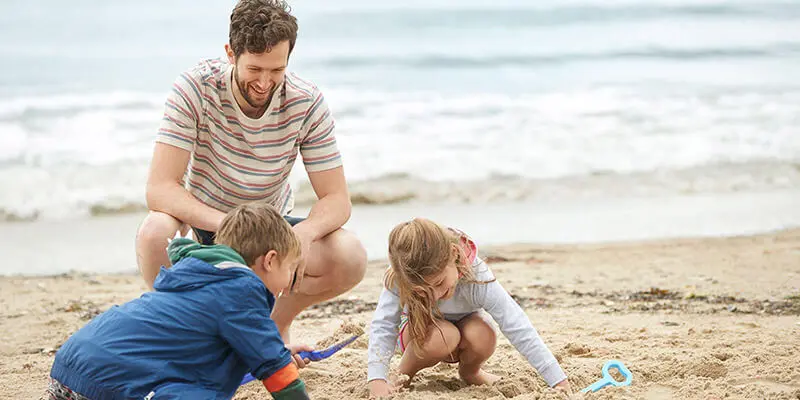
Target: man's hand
pixel 306 238
pixel 380 388
pixel 296 348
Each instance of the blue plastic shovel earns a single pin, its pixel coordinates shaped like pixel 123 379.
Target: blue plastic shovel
pixel 607 379
pixel 314 355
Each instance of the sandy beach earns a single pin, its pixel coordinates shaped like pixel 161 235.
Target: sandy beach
pixel 692 318
pixel 629 169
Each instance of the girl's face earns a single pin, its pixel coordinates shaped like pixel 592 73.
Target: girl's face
pixel 444 283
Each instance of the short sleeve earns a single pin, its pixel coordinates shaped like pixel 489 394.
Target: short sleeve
pixel 318 146
pixel 181 113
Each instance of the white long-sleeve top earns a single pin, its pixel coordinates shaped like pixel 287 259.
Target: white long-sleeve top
pixel 468 298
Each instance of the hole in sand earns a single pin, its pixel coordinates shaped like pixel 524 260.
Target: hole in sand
pixel 660 392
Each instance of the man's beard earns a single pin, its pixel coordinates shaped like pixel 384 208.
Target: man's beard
pixel 243 89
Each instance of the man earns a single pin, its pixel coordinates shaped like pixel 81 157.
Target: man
pixel 230 134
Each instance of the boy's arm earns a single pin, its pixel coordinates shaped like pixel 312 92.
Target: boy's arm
pixel 246 326
pixel 383 335
pixel 516 326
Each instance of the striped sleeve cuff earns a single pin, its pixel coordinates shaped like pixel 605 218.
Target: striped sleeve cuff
pixel 172 139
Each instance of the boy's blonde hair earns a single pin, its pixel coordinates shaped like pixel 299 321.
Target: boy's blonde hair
pixel 253 229
pixel 418 249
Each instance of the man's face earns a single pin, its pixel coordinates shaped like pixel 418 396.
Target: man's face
pixel 259 75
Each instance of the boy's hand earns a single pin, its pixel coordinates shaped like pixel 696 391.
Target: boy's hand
pixel 380 388
pixel 294 349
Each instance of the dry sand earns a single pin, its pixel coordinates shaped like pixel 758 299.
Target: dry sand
pixel 691 318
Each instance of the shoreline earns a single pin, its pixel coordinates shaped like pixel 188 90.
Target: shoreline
pixel 106 244
pixel 410 190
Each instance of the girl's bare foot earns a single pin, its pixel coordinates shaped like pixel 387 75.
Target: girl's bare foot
pixel 480 378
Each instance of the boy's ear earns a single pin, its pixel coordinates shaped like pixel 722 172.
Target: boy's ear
pixel 270 260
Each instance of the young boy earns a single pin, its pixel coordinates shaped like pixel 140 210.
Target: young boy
pixel 206 325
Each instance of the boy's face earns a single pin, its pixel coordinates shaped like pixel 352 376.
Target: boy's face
pixel 277 272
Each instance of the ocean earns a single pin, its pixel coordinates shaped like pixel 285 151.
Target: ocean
pixel 440 93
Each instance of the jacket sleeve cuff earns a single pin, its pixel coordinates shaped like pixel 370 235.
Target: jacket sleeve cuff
pixel 553 374
pixel 281 379
pixel 377 371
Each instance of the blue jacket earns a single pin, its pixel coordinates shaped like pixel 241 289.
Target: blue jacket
pixel 195 337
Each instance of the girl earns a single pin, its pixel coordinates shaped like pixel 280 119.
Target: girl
pixel 432 306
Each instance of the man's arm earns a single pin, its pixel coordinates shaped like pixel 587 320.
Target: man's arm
pixel 165 192
pixel 333 206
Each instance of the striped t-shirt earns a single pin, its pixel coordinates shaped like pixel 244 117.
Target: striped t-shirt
pixel 236 159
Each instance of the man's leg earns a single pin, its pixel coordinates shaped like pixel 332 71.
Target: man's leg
pixel 151 244
pixel 336 264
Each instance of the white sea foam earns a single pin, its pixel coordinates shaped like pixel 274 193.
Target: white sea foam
pixel 64 156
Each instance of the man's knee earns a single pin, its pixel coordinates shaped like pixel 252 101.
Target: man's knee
pixel 349 257
pixel 154 231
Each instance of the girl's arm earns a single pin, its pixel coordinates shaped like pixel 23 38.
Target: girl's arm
pixel 383 335
pixel 516 326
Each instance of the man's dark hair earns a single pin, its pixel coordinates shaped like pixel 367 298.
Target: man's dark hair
pixel 258 25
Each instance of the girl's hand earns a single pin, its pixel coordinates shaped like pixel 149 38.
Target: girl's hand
pixel 564 387
pixel 379 388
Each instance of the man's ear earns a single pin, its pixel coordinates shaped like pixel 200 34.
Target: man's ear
pixel 229 53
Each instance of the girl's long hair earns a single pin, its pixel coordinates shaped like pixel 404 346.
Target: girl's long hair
pixel 419 249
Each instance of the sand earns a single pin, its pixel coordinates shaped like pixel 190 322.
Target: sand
pixel 710 318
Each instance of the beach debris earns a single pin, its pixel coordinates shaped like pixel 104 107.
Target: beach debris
pixel 526 301
pixel 654 294
pixel 657 299
pixel 670 323
pixel 534 260
pixel 86 309
pixel 491 259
